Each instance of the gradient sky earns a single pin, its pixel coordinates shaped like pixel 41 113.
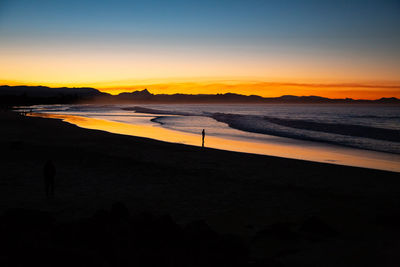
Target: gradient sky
pixel 330 48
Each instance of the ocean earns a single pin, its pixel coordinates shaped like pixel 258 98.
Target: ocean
pixel 372 130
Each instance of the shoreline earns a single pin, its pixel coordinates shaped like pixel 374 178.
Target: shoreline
pixel 48 134
pixel 296 149
pixel 235 193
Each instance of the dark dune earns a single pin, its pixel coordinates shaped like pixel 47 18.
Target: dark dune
pixel 259 210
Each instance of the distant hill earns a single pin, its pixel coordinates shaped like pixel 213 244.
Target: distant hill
pixel 145 96
pixel 26 95
pixel 44 91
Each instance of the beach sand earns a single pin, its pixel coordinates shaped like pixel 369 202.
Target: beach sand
pixel 233 192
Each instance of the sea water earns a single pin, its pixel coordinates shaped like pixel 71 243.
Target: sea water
pixel 346 128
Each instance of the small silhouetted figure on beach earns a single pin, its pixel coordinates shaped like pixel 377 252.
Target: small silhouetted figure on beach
pixel 49 172
pixel 203 134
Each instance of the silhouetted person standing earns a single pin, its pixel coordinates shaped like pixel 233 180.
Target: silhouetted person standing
pixel 49 172
pixel 203 134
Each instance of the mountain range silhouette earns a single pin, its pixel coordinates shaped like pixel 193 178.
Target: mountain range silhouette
pixel 25 95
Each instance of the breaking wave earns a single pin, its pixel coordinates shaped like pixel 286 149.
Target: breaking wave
pixel 359 136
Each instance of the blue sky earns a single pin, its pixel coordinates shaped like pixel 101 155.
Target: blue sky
pixel 360 36
pixel 306 19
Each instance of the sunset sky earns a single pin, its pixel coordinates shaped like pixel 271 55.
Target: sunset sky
pixel 332 48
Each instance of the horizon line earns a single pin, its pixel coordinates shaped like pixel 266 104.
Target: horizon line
pixel 146 89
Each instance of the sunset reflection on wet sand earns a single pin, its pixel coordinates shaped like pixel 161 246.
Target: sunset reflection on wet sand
pixel 304 150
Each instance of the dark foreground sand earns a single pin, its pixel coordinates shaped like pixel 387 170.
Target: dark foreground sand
pixel 236 193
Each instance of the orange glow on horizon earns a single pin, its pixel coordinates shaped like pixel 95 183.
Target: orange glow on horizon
pixel 268 89
pixel 265 89
pixel 202 72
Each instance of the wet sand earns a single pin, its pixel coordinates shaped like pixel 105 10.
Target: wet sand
pixel 234 192
pixel 269 145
